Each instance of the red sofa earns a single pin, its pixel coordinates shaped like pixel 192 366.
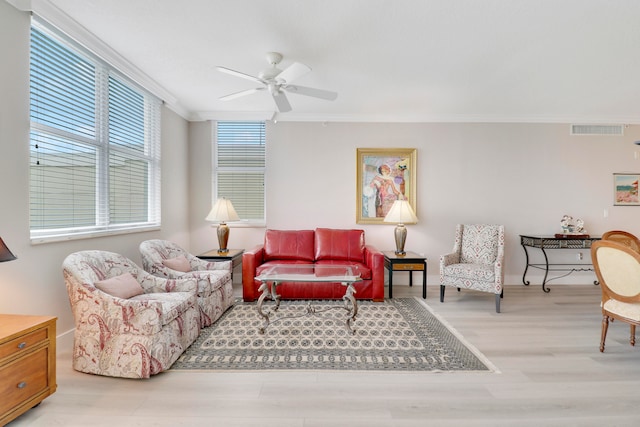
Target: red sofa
pixel 319 246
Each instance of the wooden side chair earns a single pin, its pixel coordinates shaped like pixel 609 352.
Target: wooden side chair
pixel 623 237
pixel 617 267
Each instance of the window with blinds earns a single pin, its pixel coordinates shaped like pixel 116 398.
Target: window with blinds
pixel 94 144
pixel 240 167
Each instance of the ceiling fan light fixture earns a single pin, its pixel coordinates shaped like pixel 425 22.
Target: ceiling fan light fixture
pixel 277 81
pixel 269 73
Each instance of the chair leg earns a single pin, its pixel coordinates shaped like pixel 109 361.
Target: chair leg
pixel 632 338
pixel 498 296
pixel 441 293
pixel 605 326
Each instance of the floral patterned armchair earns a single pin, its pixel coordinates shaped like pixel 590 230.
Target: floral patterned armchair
pixel 215 287
pixel 128 323
pixel 476 262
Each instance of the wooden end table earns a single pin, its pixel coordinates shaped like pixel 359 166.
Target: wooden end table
pixel 233 255
pixel 410 262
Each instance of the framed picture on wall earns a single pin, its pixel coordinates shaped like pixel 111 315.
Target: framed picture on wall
pixel 625 189
pixel 383 176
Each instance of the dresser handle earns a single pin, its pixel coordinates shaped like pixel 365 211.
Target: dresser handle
pixel 22 384
pixel 22 345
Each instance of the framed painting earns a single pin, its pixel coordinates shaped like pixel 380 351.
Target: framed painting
pixel 383 176
pixel 625 189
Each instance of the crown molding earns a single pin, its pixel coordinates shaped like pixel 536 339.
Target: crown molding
pixel 63 22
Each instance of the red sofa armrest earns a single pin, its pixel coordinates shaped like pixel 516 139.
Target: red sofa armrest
pixel 251 260
pixel 374 259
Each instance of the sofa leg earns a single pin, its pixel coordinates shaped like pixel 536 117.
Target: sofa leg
pixel 498 296
pixel 441 293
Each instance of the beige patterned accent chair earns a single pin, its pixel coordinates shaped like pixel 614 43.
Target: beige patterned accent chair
pixel 617 268
pixel 128 323
pixel 166 259
pixel 476 262
pixel 623 237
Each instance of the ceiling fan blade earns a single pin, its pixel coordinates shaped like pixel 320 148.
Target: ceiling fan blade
pixel 310 91
pixel 292 72
pixel 239 74
pixel 239 94
pixel 281 102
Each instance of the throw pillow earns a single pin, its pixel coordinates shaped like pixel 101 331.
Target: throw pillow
pixel 124 286
pixel 179 263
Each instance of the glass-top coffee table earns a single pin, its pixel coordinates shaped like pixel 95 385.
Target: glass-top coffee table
pixel 312 275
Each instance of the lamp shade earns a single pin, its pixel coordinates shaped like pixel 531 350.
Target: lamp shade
pixel 222 211
pixel 5 253
pixel 401 213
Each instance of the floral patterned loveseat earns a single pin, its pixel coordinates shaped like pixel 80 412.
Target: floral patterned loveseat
pixel 128 323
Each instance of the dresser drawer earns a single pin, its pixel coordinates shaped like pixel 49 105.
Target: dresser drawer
pixel 408 267
pixel 23 343
pixel 23 379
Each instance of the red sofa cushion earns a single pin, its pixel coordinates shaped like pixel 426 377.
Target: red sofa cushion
pixel 340 245
pixel 288 244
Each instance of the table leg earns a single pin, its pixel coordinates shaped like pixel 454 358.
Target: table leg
pixel 410 277
pixel 526 266
pixel 267 292
pixel 546 271
pixel 424 282
pixel 351 305
pixel 391 281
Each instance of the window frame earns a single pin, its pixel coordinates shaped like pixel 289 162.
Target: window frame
pixel 150 152
pixel 216 169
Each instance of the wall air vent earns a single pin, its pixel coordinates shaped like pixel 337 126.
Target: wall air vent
pixel 615 130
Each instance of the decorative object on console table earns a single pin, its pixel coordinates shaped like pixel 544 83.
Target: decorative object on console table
pixel 401 213
pixel 409 261
pixel 223 212
pixel 572 229
pixel 553 242
pixel 27 363
pixel 382 177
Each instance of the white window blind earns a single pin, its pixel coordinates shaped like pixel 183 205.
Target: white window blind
pixel 240 167
pixel 94 146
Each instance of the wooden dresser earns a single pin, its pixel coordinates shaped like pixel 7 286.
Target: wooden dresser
pixel 27 363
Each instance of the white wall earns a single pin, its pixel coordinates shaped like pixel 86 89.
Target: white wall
pixel 525 176
pixel 33 284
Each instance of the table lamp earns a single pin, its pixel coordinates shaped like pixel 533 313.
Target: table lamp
pixel 401 213
pixel 223 211
pixel 5 253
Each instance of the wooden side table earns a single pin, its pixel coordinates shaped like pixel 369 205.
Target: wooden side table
pixel 233 255
pixel 410 262
pixel 27 363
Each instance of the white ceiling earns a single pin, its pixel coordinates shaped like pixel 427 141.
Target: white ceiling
pixel 575 61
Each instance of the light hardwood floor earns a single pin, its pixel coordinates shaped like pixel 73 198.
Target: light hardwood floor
pixel 544 345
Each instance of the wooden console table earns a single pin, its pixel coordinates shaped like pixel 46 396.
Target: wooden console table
pixel 551 242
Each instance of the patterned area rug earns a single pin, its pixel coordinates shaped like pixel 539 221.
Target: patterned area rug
pixel 401 334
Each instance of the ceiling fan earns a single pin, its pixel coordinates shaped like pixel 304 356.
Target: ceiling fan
pixel 277 82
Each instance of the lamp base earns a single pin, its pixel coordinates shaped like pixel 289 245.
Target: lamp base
pixel 401 236
pixel 223 237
